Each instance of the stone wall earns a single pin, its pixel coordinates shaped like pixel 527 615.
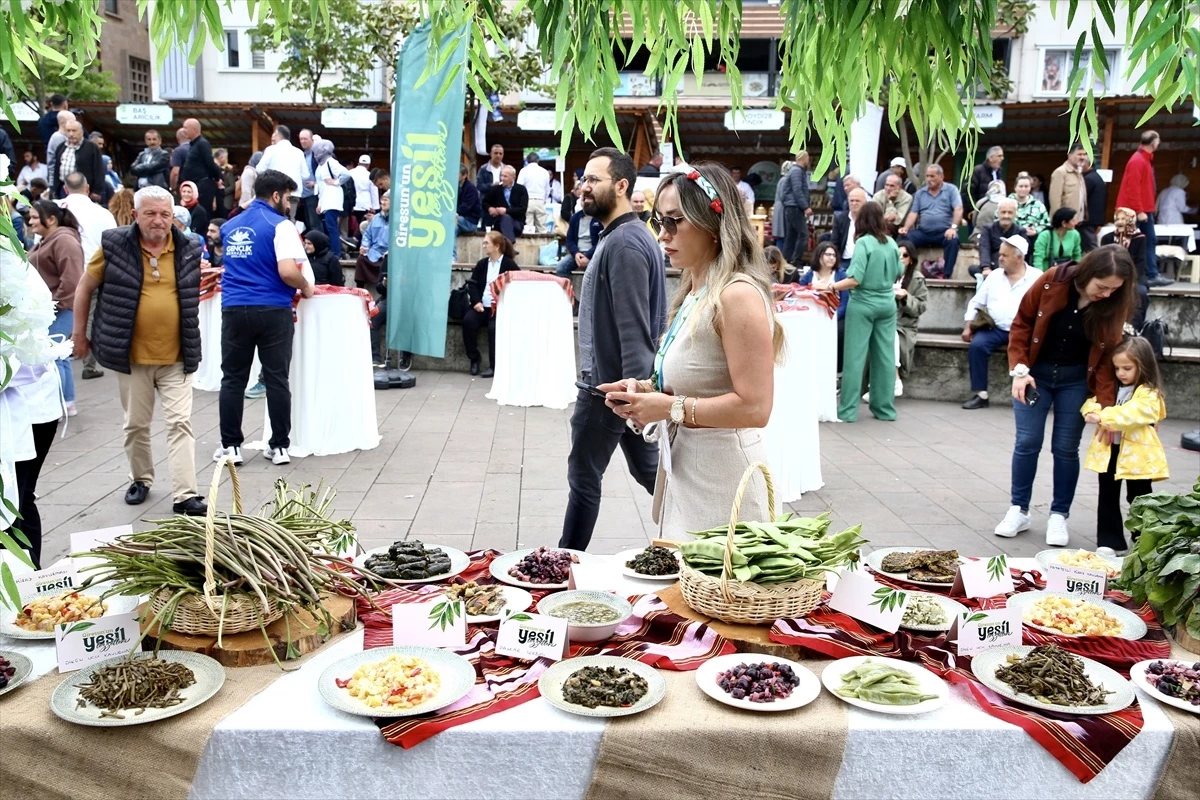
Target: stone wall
pixel 123 36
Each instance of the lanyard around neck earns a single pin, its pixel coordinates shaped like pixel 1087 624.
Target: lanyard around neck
pixel 685 311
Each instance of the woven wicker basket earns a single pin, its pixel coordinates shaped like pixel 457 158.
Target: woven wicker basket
pixel 731 600
pixel 207 613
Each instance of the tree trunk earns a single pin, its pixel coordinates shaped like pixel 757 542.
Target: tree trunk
pixel 928 152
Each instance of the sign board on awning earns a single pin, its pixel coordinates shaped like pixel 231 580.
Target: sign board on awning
pixel 144 114
pixel 24 113
pixel 989 116
pixel 355 118
pixel 536 119
pixel 754 119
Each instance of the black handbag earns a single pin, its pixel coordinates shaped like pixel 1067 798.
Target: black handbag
pixel 460 301
pixel 1155 332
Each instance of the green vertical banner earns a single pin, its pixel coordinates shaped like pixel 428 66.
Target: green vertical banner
pixel 426 143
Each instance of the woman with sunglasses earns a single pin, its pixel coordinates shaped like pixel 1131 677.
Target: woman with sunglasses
pixel 713 381
pixel 826 269
pixel 871 318
pixel 58 258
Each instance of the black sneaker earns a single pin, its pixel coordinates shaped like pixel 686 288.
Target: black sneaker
pixel 90 372
pixel 405 361
pixel 1159 281
pixel 975 402
pixel 194 506
pixel 136 495
pixel 488 373
pixel 474 367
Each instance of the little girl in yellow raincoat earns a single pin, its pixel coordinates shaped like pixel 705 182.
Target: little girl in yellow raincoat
pixel 1126 446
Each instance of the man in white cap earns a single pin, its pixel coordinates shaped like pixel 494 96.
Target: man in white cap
pixel 366 194
pixel 899 167
pixel 999 296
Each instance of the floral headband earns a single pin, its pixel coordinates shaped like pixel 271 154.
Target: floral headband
pixel 709 190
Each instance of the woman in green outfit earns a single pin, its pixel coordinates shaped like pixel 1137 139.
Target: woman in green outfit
pixel 1059 243
pixel 870 317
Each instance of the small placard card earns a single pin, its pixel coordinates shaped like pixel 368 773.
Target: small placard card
pixel 862 597
pixel 532 636
pixel 978 630
pixel 596 576
pixel 55 579
pixel 1076 580
pixel 441 622
pixel 983 577
pixel 81 644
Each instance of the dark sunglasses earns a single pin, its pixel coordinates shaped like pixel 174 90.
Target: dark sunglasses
pixel 669 224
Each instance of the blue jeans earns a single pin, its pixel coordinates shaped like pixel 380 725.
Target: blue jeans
pixel 1064 388
pixel 466 226
pixel 64 322
pixel 983 344
pixel 922 238
pixel 1147 228
pixel 566 266
pixel 331 230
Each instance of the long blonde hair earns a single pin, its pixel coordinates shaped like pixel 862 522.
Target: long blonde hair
pixel 738 248
pixel 120 205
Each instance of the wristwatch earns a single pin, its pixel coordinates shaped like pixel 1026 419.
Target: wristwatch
pixel 677 415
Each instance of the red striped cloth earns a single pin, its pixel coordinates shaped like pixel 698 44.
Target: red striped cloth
pixel 787 295
pixel 653 635
pixel 505 278
pixel 322 289
pixel 1083 744
pixel 210 282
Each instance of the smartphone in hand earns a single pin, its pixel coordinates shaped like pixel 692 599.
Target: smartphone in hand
pixel 594 392
pixel 1032 395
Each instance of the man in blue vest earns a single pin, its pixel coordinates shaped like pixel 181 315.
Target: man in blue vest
pixel 264 257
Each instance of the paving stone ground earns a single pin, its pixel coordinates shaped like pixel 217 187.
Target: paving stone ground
pixel 454 468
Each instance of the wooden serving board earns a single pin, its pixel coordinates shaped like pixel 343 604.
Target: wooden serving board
pixel 747 638
pixel 250 649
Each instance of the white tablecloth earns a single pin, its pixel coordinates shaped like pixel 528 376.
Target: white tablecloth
pixel 333 392
pixel 1161 232
pixel 812 341
pixel 535 346
pixel 792 436
pixel 286 742
pixel 208 375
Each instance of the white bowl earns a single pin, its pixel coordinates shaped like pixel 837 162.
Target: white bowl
pixel 597 632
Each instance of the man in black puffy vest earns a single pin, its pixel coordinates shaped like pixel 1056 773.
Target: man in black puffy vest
pixel 147 329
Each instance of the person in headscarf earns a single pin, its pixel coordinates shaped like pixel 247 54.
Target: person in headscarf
pixel 189 197
pixel 245 185
pixel 1127 234
pixel 985 214
pixel 326 269
pixel 329 176
pixel 184 220
pixel 110 176
pixel 1172 202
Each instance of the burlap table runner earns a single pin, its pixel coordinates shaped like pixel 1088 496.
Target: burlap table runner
pixel 691 746
pixel 1181 773
pixel 44 758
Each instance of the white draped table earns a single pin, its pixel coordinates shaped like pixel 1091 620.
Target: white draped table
pixel 333 391
pixel 207 377
pixel 792 435
pixel 535 342
pixel 286 742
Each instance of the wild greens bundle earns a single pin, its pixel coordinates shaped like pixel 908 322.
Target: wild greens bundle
pixel 1163 567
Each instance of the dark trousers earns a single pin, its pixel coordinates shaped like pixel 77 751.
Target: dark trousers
pixel 504 223
pixel 1110 524
pixel 1065 389
pixel 378 328
pixel 595 433
pixel 1088 239
pixel 921 238
pixel 983 344
pixel 308 213
pixel 330 221
pixel 795 240
pixel 30 523
pixel 472 323
pixel 207 189
pixel 1147 228
pixel 1143 303
pixel 270 329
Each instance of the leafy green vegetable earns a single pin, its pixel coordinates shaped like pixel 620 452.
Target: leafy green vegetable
pixel 789 549
pixel 1163 568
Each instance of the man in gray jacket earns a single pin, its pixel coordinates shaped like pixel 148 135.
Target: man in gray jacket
pixel 622 311
pixel 796 209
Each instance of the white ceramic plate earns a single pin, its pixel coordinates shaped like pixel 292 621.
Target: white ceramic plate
pixel 1048 557
pixel 1132 626
pixel 210 677
pixel 500 566
pixel 552 680
pixel 627 555
pixel 458 562
pixel 456 674
pixel 1138 675
pixel 515 600
pixel 875 562
pixel 928 684
pixel 118 604
pixel 953 608
pixel 23 666
pixel 985 664
pixel 802 695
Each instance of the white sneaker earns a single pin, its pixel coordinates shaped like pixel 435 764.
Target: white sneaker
pixel 866 398
pixel 899 388
pixel 1106 551
pixel 1056 531
pixel 279 456
pixel 234 453
pixel 71 409
pixel 1013 523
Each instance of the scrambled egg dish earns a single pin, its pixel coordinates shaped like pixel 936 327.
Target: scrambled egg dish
pixel 395 682
pixel 1086 559
pixel 1073 617
pixel 43 613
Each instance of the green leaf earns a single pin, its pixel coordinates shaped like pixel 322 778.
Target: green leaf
pixel 11 597
pixel 11 546
pixel 79 626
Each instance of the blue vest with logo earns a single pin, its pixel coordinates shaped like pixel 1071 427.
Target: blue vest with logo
pixel 251 268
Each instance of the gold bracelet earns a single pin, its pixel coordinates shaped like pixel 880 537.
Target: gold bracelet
pixel 645 386
pixel 694 401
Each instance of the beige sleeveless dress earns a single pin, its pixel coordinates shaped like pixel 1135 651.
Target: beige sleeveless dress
pixel 706 463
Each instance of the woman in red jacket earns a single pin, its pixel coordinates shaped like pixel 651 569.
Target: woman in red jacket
pixel 1058 353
